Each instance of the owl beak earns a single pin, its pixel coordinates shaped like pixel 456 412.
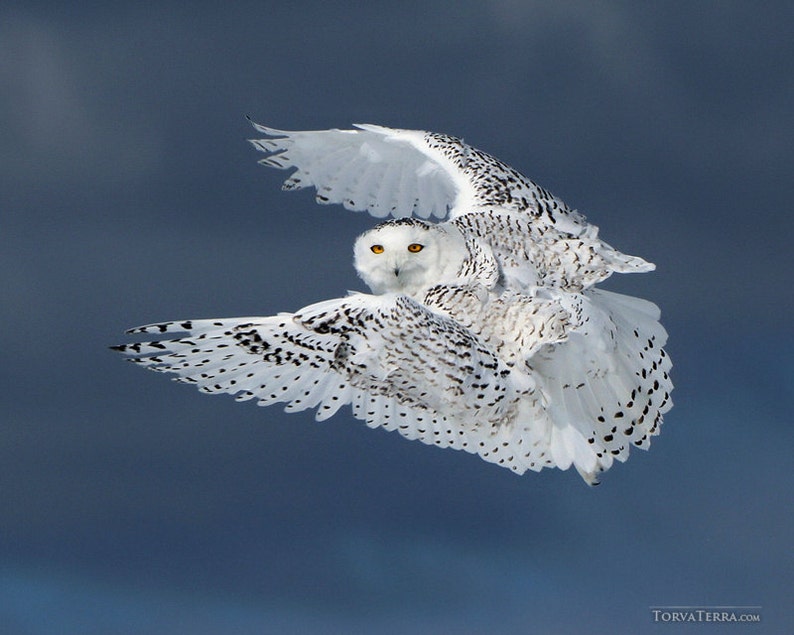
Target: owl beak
pixel 396 272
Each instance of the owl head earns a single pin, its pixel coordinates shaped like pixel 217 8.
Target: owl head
pixel 408 255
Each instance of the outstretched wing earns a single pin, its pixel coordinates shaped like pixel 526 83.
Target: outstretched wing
pixel 386 171
pixel 398 365
pixel 587 379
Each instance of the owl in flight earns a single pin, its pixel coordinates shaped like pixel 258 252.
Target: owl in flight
pixel 484 330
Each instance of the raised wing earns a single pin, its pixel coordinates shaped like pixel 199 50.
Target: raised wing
pixel 401 173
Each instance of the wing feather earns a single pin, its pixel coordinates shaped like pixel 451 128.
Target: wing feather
pixel 334 161
pixel 535 236
pixel 608 380
pixel 439 174
pixel 396 363
pixel 525 382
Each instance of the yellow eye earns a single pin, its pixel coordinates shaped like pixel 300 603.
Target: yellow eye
pixel 377 249
pixel 415 248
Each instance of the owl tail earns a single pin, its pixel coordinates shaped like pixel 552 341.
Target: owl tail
pixel 607 384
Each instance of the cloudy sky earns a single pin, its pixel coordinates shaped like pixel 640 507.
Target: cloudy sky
pixel 128 194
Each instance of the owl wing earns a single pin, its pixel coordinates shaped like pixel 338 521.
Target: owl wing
pixel 387 171
pixel 588 379
pixel 531 254
pixel 536 238
pixel 607 382
pixel 398 365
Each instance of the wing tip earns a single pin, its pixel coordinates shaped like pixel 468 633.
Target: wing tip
pixel 273 132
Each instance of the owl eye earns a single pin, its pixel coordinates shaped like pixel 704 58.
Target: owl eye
pixel 376 249
pixel 415 248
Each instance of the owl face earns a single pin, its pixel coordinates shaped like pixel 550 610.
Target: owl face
pixel 407 256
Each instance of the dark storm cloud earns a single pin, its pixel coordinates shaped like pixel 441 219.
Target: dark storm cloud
pixel 129 195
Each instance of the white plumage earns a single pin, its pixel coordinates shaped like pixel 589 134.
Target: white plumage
pixel 483 333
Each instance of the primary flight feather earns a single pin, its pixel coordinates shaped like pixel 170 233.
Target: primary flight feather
pixel 483 332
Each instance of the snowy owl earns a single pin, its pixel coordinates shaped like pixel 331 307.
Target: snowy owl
pixel 482 333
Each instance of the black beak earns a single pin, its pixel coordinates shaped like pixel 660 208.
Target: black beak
pixel 396 272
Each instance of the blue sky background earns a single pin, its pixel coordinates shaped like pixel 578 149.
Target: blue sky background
pixel 128 194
